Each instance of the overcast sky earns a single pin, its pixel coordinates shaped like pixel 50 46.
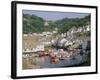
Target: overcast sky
pixel 48 15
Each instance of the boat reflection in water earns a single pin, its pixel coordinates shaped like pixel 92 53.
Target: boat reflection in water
pixel 57 58
pixel 55 62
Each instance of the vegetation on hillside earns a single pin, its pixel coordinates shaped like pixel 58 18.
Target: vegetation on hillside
pixel 35 24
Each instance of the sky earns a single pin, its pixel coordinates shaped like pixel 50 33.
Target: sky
pixel 51 15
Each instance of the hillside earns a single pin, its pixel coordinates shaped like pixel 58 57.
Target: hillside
pixel 32 23
pixel 35 24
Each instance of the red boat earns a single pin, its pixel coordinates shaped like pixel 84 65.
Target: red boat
pixel 54 60
pixel 43 53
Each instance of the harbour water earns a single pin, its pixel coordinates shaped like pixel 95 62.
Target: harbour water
pixel 45 62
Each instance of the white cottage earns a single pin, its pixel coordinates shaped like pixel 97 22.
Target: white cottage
pixel 39 48
pixel 88 28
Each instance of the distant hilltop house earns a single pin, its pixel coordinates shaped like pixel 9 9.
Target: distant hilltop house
pixel 46 23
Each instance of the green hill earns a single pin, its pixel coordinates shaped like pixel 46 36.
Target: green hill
pixel 35 24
